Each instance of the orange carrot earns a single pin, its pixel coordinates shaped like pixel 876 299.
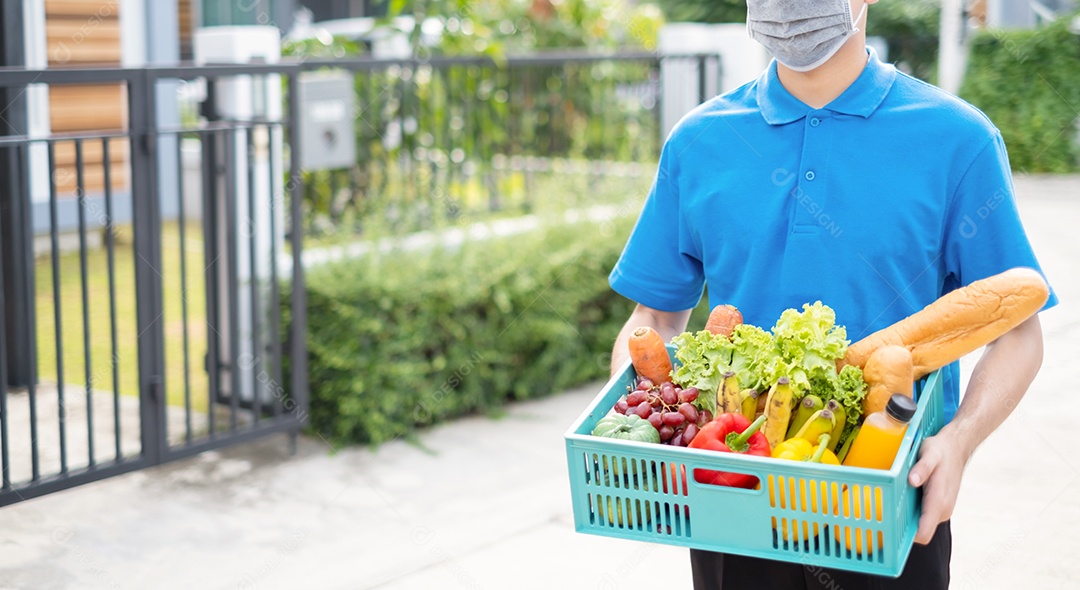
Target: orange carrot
pixel 723 319
pixel 649 355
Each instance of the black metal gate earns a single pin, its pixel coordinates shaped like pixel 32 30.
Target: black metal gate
pixel 152 286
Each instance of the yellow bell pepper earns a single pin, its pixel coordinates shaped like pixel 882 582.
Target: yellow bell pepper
pixel 800 449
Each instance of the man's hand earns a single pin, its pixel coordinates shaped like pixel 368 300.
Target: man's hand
pixel 941 464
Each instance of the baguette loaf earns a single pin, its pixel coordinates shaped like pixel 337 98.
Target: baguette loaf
pixel 890 369
pixel 960 321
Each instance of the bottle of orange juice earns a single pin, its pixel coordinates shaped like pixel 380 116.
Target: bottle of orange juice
pixel 879 438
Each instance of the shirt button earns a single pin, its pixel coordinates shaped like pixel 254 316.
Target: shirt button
pixel 814 122
pixel 810 175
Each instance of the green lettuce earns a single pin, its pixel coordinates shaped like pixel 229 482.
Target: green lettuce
pixel 808 344
pixel 846 387
pixel 703 358
pixel 803 346
pixel 754 349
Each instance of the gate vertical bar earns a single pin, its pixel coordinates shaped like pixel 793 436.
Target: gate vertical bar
pixel 181 223
pixel 58 324
pixel 701 80
pixel 275 285
pixel 208 141
pixel 110 253
pixel 253 275
pixel 146 223
pixel 232 283
pixel 298 329
pixel 5 464
pixel 84 279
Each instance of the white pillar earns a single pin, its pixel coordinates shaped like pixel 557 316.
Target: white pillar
pixel 741 59
pixel 244 98
pixel 952 52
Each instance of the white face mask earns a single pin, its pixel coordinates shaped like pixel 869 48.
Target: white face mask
pixel 801 34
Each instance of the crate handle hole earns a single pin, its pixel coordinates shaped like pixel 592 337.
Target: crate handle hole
pixel 723 479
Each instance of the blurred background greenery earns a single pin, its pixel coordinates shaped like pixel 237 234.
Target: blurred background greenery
pixel 503 150
pixel 451 145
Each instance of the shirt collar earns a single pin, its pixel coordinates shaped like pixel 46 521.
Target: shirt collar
pixel 862 98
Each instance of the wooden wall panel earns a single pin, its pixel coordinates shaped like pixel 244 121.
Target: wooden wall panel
pixel 86 32
pixel 186 24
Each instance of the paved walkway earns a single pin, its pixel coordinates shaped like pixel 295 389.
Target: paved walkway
pixel 484 503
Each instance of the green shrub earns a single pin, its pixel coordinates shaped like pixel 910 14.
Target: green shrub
pixel 910 28
pixel 407 339
pixel 1028 83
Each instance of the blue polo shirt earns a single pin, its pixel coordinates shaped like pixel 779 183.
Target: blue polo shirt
pixel 877 204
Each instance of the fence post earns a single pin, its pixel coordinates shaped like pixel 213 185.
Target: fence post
pixel 298 328
pixel 17 228
pixel 146 224
pixel 703 95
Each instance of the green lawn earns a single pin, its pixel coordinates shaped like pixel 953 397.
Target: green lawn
pixel 101 344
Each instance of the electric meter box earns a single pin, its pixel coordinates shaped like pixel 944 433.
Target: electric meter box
pixel 326 129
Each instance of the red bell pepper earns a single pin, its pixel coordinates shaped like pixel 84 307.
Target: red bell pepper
pixel 731 433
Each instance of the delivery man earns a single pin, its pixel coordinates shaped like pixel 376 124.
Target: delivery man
pixel 835 177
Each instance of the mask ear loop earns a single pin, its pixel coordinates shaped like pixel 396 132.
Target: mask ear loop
pixel 855 23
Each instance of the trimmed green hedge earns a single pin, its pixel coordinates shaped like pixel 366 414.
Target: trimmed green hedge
pixel 1028 83
pixel 408 339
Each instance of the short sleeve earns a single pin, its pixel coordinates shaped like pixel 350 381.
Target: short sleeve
pixel 983 233
pixel 659 266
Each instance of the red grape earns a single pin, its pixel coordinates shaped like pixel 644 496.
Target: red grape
pixel 669 397
pixel 635 398
pixel 689 394
pixel 644 383
pixel 655 420
pixel 621 406
pixel 643 409
pixel 673 418
pixel 688 410
pixel 655 401
pixel 666 432
pixel 689 434
pixel 677 441
pixel 708 416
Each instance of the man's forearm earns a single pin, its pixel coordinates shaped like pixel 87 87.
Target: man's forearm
pixel 1000 379
pixel 668 324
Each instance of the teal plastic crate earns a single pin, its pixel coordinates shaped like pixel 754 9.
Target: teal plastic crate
pixel 848 518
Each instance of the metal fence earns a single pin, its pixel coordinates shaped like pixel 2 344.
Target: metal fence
pixel 451 138
pixel 130 343
pixel 166 342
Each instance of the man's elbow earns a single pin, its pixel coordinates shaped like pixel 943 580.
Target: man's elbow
pixel 1027 340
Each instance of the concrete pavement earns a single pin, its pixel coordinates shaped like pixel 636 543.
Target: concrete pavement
pixel 483 503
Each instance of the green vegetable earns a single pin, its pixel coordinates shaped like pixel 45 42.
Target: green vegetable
pixel 803 346
pixel 704 357
pixel 754 348
pixel 847 388
pixel 631 427
pixel 808 344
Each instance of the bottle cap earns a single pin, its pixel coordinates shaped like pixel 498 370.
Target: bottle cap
pixel 900 407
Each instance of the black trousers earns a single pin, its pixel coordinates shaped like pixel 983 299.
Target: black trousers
pixel 927 568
